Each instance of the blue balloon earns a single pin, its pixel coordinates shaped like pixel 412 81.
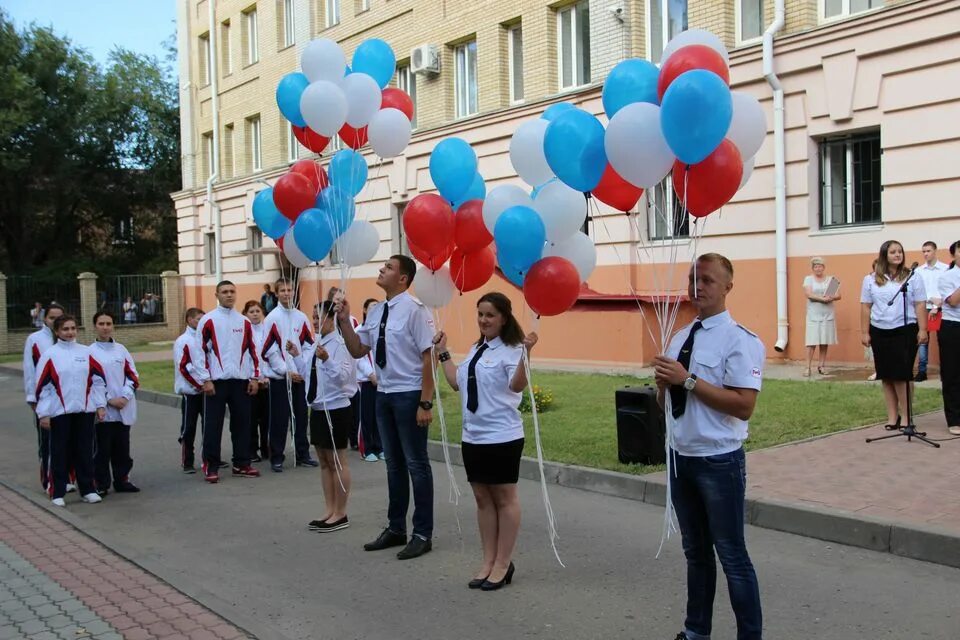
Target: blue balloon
pixel 267 216
pixel 453 165
pixel 536 190
pixel 512 274
pixel 375 58
pixel 695 114
pixel 289 90
pixel 348 171
pixel 573 145
pixel 477 191
pixel 313 234
pixel 339 208
pixel 520 236
pixel 555 110
pixel 632 80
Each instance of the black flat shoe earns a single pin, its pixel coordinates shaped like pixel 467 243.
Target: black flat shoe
pixel 126 487
pixel 493 586
pixel 415 548
pixel 386 540
pixel 308 462
pixel 476 583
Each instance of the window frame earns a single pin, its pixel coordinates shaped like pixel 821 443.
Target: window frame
pixel 255 242
pixel 289 24
pixel 848 142
pixel 511 57
pixel 575 55
pixel 253 36
pixel 331 13
pixel 844 11
pixel 206 60
pixel 664 26
pixel 229 144
pixel 293 145
pixel 407 81
pixel 462 50
pixel 207 158
pixel 666 188
pixel 738 24
pixel 210 253
pixel 254 125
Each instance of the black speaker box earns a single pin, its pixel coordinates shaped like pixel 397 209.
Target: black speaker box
pixel 641 426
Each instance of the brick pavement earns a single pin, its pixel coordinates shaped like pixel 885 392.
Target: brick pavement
pixel 56 583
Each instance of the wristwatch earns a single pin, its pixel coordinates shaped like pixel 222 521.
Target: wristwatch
pixel 426 405
pixel 690 382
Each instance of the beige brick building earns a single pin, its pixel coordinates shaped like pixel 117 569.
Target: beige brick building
pixel 504 61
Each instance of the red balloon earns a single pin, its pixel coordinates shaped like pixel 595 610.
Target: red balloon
pixel 688 58
pixel 709 184
pixel 428 223
pixel 472 270
pixel 293 194
pixel 314 173
pixel 470 233
pixel 616 192
pixel 394 98
pixel 279 242
pixel 551 286
pixel 432 262
pixel 353 138
pixel 310 139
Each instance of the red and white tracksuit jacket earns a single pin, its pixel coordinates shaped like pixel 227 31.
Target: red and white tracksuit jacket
pixel 122 379
pixel 185 380
pixel 37 343
pixel 228 350
pixel 283 324
pixel 69 380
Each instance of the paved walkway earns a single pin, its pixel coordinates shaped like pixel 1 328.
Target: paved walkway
pixel 58 584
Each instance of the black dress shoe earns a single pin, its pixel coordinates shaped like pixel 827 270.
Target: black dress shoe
pixel 308 462
pixel 493 586
pixel 920 377
pixel 276 467
pixel 126 487
pixel 476 583
pixel 386 540
pixel 415 548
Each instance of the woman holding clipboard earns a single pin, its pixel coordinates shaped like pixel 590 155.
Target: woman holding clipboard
pixel 821 291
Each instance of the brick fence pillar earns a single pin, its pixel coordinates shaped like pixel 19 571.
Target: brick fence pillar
pixel 5 346
pixel 88 306
pixel 173 304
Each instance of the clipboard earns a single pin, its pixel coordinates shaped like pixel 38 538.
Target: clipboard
pixel 833 287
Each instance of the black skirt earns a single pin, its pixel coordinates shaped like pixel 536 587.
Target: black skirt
pixel 493 463
pixel 342 421
pixel 894 351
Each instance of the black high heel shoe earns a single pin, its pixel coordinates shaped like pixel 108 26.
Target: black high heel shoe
pixel 476 583
pixel 894 427
pixel 493 586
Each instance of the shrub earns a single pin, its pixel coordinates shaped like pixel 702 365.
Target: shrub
pixel 543 396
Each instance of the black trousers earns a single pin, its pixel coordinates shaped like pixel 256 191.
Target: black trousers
pixel 113 453
pixel 949 339
pixel 233 394
pixel 191 410
pixel 72 442
pixel 364 404
pixel 260 423
pixel 280 420
pixel 43 449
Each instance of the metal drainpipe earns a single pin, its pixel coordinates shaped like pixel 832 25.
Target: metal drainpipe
pixel 215 175
pixel 780 179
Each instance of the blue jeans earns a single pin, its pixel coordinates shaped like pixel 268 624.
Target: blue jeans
pixel 923 352
pixel 708 496
pixel 405 448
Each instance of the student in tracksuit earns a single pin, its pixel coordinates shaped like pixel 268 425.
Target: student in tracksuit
pixel 186 384
pixel 37 343
pixel 229 369
pixel 260 403
pixel 286 325
pixel 113 433
pixel 71 396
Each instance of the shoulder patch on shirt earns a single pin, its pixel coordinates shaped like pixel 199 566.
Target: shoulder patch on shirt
pixel 755 372
pixel 747 330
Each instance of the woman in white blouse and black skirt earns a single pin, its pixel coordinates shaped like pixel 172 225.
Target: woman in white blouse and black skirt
pixel 491 380
pixel 894 341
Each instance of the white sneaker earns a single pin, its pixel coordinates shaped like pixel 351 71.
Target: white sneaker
pixel 954 430
pixel 371 457
pixel 71 488
pixel 92 498
pixel 59 502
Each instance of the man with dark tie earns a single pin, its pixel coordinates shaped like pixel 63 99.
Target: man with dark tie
pixel 399 333
pixel 711 374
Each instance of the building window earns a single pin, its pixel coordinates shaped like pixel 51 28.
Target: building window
pixel 229 162
pixel 206 60
pixel 293 145
pixel 850 180
pixel 749 20
pixel 331 12
pixel 363 5
pixel 255 243
pixel 253 143
pixel 665 19
pixel 226 55
pixel 408 82
pixel 465 87
pixel 666 218
pixel 252 39
pixel 832 9
pixel 515 58
pixel 573 44
pixel 401 246
pixel 123 231
pixel 210 251
pixel 206 155
pixel 289 35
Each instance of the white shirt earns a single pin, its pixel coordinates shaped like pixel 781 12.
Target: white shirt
pixel 336 377
pixel 725 355
pixel 227 348
pixel 281 325
pixel 497 418
pixel 930 277
pixel 121 377
pixel 69 380
pixel 409 332
pixel 948 283
pixel 884 315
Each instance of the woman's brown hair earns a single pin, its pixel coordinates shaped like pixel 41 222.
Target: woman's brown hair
pixel 59 322
pixel 251 304
pixel 511 333
pixel 882 269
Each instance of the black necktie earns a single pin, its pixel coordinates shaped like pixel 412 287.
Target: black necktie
pixel 472 400
pixel 381 355
pixel 312 387
pixel 678 395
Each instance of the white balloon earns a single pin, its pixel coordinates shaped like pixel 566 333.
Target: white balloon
pixel 292 251
pixel 578 249
pixel 748 127
pixel 501 198
pixel 363 98
pixel 526 152
pixel 324 107
pixel 635 146
pixel 747 172
pixel 389 132
pixel 695 36
pixel 562 208
pixel 323 59
pixel 358 244
pixel 434 289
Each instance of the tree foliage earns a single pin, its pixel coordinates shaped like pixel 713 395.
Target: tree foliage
pixel 85 152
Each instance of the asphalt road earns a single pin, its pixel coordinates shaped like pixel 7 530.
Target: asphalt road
pixel 242 548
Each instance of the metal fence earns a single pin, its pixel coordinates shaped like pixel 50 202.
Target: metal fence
pixel 24 292
pixel 132 299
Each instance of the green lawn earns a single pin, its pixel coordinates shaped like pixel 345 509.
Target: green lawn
pixel 580 426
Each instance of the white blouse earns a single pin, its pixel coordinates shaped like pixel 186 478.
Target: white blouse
pixel 884 315
pixel 497 418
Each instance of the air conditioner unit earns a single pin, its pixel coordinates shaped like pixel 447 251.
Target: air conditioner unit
pixel 425 59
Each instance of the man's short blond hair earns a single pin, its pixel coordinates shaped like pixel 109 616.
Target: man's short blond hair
pixel 716 258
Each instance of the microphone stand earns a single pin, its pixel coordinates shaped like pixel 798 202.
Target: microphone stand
pixel 910 430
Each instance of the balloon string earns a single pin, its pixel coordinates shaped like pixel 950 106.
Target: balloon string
pixel 454 492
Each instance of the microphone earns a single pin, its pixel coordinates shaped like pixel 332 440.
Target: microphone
pixel 903 289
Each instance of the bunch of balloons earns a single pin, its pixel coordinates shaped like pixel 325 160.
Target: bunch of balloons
pixel 437 235
pixel 352 101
